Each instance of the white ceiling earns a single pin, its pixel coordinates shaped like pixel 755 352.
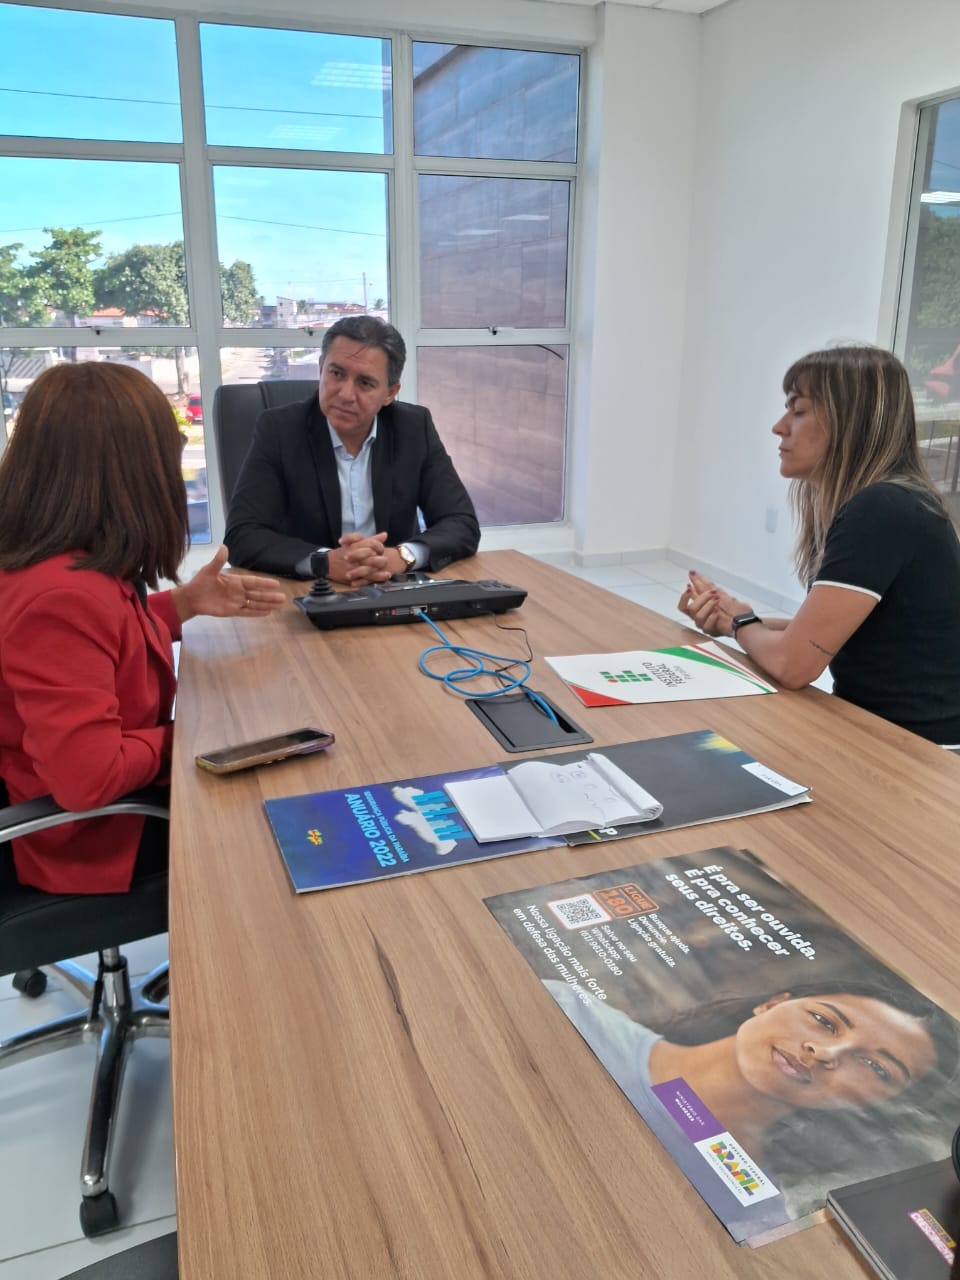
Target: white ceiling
pixel 680 6
pixel 677 6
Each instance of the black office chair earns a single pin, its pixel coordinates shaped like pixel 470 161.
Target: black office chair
pixel 235 413
pixel 277 392
pixel 153 1260
pixel 236 409
pixel 38 929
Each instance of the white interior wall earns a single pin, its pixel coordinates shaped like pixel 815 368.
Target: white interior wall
pixel 637 164
pixel 803 152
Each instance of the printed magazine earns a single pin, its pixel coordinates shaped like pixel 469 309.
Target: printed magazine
pixel 369 832
pixel 334 838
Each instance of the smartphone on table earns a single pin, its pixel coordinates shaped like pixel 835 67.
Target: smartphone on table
pixel 298 742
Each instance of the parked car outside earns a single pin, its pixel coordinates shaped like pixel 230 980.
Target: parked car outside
pixel 194 409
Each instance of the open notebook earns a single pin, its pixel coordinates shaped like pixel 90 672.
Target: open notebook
pixel 546 798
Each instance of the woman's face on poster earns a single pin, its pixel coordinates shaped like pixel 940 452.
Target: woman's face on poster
pixel 832 1051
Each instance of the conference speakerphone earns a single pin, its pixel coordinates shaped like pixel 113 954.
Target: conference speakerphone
pixel 402 599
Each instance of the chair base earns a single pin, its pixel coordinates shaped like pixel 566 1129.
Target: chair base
pixel 118 1014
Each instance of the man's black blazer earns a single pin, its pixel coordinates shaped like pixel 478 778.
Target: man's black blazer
pixel 287 500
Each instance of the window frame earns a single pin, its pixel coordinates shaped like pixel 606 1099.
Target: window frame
pixel 905 301
pixel 402 169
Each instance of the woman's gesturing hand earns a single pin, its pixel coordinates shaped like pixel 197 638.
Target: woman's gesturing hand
pixel 226 595
pixel 710 608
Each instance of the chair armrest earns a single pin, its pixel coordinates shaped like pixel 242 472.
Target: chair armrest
pixel 36 815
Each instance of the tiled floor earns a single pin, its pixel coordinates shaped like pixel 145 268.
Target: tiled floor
pixel 43 1103
pixel 43 1109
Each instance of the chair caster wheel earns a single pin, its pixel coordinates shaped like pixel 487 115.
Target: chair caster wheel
pixel 98 1214
pixel 30 982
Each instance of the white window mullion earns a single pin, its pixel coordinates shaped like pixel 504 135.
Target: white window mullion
pixel 88 149
pixel 909 260
pixel 200 244
pixel 403 222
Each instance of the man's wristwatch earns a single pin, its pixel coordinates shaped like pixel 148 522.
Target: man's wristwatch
pixel 742 620
pixel 407 556
pixel 320 562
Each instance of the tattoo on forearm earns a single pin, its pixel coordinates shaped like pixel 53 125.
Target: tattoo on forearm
pixel 829 653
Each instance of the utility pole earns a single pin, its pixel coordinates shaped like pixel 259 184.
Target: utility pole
pixel 364 291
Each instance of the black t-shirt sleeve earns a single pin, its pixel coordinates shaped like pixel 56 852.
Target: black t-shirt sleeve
pixel 871 538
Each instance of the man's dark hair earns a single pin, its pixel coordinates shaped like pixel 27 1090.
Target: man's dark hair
pixel 370 331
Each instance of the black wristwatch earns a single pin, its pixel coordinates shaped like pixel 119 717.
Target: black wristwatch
pixel 320 563
pixel 742 620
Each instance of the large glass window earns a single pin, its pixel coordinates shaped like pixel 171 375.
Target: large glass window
pixel 928 329
pixel 503 413
pixel 494 264
pixel 216 240
pixel 269 364
pixel 91 241
pixel 493 251
pixel 313 241
pixel 88 75
pixel 494 104
pixel 300 90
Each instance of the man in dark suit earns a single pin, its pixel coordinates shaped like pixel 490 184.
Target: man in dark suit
pixel 331 487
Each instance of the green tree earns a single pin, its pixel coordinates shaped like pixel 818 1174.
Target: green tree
pixel 62 274
pixel 934 328
pixel 378 304
pixel 938 268
pixel 148 278
pixel 239 292
pixel 153 278
pixel 20 301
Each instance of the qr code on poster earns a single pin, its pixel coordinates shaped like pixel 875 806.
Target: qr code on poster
pixel 578 912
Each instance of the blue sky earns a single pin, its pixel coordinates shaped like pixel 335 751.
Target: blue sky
pixel 307 234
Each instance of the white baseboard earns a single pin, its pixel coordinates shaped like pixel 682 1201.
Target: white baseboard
pixel 599 559
pixel 755 593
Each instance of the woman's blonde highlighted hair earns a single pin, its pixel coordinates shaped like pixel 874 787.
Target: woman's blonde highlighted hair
pixel 862 395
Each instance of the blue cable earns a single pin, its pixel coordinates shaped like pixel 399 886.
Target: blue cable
pixel 478 660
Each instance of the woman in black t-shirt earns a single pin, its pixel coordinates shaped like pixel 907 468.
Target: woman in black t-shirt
pixel 875 545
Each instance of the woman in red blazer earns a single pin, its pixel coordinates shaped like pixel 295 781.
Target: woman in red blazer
pixel 92 512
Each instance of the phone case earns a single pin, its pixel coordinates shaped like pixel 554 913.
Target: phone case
pixel 210 765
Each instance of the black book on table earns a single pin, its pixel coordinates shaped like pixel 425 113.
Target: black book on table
pixel 906 1224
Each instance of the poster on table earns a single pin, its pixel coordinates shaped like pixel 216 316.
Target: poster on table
pixel 763 1046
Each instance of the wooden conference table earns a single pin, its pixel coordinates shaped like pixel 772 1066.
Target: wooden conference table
pixel 370 1082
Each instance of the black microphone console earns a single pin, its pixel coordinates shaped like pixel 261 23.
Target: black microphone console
pixel 401 599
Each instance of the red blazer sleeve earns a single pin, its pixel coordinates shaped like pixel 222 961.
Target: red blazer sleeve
pixel 161 603
pixel 61 662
